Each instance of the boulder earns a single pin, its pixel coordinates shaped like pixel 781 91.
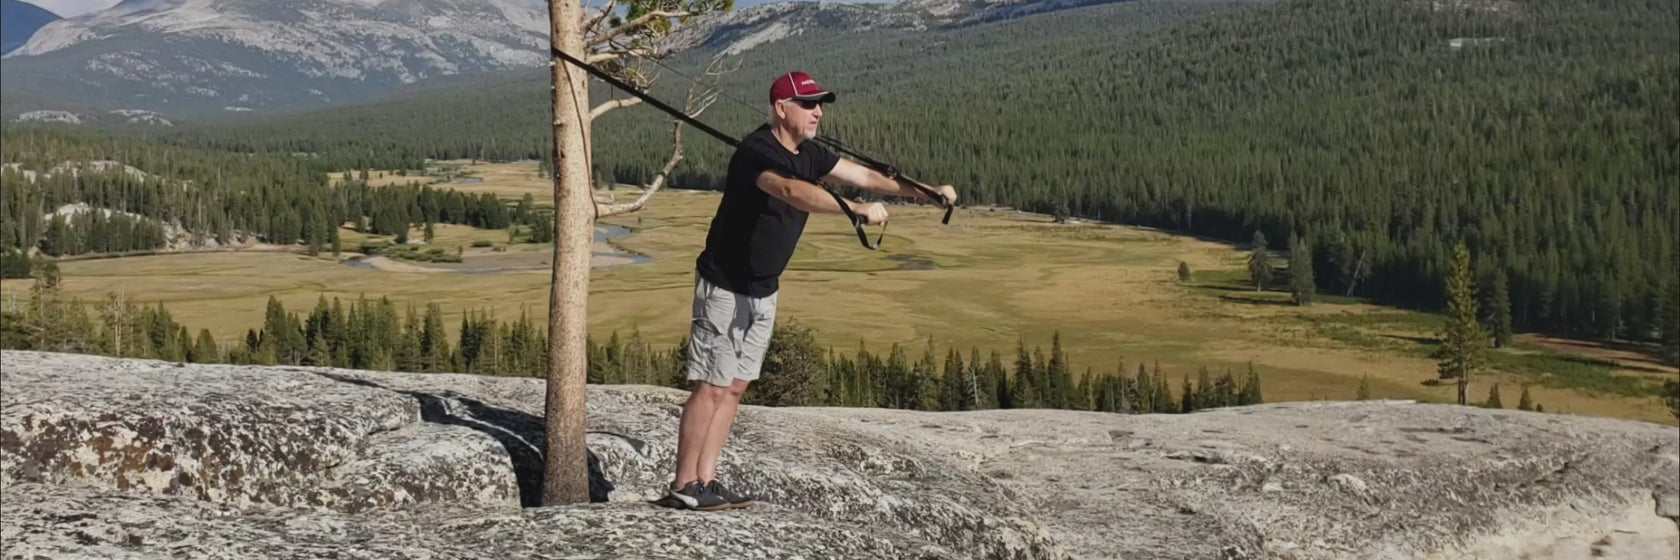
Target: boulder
pixel 59 522
pixel 117 458
pixel 236 435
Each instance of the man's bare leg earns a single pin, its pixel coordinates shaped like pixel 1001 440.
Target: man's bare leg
pixel 692 432
pixel 723 417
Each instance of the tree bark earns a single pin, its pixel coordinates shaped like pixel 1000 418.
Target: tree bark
pixel 566 466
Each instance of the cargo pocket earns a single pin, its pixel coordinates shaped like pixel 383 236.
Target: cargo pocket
pixel 703 340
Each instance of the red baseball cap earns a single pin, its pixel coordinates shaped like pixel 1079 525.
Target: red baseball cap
pixel 798 85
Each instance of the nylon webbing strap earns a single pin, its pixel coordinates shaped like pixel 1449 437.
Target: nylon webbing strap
pixel 857 221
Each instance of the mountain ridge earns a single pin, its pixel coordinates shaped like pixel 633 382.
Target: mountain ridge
pixel 19 21
pixel 232 55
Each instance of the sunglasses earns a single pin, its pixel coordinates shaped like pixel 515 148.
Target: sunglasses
pixel 806 104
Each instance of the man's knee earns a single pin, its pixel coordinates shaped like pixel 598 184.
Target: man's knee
pixel 738 387
pixel 716 393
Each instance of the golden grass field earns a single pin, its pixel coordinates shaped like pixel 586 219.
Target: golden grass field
pixel 382 177
pixel 996 277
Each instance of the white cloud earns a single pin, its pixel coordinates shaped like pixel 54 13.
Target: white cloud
pixel 73 8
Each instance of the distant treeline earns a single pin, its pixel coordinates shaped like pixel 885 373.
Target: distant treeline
pixel 373 334
pixel 1377 132
pixel 206 195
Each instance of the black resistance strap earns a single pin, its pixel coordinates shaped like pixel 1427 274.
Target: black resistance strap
pixel 857 221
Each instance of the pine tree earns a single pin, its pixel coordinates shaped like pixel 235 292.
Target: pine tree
pixel 1002 397
pixel 1525 402
pixel 1187 397
pixel 1145 391
pixel 14 263
pixel 1058 375
pixel 1082 393
pixel 1364 392
pixel 1259 263
pixel 954 393
pixel 1671 397
pixel 205 350
pixel 895 374
pixel 1046 396
pixel 1493 398
pixel 924 381
pixel 181 343
pixel 318 354
pixel 1301 285
pixel 1024 392
pixel 1670 322
pixel 522 213
pixel 434 344
pixel 281 342
pixel 612 360
pixel 1499 312
pixel 338 335
pixel 1251 387
pixel 117 317
pixel 316 327
pixel 1462 340
pixel 638 360
pixel 1163 391
pixel 1124 385
pixel 1204 389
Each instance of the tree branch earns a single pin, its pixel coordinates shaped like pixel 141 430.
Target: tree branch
pixel 614 104
pixel 589 27
pixel 604 210
pixel 634 25
pixel 618 54
pixel 700 97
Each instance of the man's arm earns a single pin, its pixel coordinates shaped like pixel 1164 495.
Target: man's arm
pixel 814 199
pixel 851 173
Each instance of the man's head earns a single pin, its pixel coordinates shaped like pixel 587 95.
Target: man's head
pixel 796 104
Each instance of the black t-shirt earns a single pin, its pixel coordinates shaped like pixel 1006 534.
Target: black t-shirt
pixel 753 235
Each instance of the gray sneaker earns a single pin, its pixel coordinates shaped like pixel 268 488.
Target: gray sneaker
pixel 734 500
pixel 697 496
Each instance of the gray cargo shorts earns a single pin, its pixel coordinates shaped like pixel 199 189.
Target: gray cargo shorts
pixel 728 335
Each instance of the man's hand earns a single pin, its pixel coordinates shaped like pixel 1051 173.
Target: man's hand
pixel 948 192
pixel 873 213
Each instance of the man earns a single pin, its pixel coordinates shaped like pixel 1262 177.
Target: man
pixel 752 236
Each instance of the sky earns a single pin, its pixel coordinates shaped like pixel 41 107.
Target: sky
pixel 73 8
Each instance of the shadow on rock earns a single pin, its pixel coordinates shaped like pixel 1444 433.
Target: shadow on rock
pixel 521 434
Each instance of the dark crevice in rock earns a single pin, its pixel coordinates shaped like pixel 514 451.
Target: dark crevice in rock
pixel 521 434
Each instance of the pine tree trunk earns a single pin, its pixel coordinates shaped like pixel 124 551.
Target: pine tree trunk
pixel 1463 388
pixel 566 467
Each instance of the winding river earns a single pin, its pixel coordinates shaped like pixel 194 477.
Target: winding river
pixel 483 263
